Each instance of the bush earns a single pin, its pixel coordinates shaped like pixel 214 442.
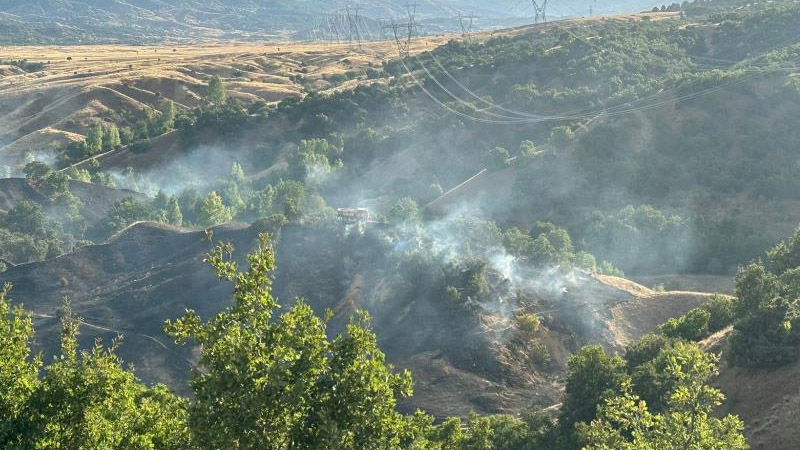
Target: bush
pixel 722 313
pixel 529 324
pixel 691 327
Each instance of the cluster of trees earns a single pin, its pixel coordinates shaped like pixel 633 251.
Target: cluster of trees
pixel 767 329
pixel 291 194
pixel 765 314
pixel 153 122
pixel 103 137
pixel 673 7
pixel 48 227
pixel 25 65
pixel 271 376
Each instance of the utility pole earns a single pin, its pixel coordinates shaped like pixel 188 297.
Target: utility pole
pixel 540 11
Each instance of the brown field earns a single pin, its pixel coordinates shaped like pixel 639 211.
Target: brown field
pixel 83 85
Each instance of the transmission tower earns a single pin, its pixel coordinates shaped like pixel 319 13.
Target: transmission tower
pixel 384 24
pixel 540 11
pixel 395 30
pixel 413 31
pixel 466 25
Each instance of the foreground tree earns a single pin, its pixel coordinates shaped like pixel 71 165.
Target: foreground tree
pixel 626 422
pixel 270 382
pixel 18 369
pixel 84 400
pixel 592 378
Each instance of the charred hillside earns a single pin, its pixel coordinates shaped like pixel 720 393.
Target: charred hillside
pixel 150 273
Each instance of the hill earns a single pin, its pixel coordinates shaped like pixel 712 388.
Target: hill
pixel 96 200
pixel 462 361
pixel 78 87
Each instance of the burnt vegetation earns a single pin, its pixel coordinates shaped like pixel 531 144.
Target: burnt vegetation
pixel 504 183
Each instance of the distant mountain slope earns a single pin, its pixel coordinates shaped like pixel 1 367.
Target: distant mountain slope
pixel 140 21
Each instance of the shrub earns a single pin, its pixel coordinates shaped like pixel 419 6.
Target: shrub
pixel 691 327
pixel 529 324
pixel 722 313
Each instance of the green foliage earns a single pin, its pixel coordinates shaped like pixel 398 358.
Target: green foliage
pixel 313 160
pixel 276 381
pixel 213 212
pixel 111 137
pixel 27 217
pixel 404 212
pixel 37 170
pixel 551 245
pixel 94 139
pixel 166 120
pixel 644 350
pixel 561 136
pixel 464 281
pixel 498 158
pixel 18 368
pixel 84 399
pixel 124 213
pixel 767 331
pixel 691 327
pixel 638 238
pixel 626 422
pixel 529 324
pixel 592 378
pixel 216 91
pixel 173 215
pixel 722 312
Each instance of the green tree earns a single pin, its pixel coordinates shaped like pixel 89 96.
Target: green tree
pixel 166 121
pixel 692 326
pixel 626 422
pixel 212 211
pixel 592 378
pixel 87 399
pixel 18 368
pixel 405 212
pixel 124 213
pixel 94 139
pixel 561 136
pixel 173 213
pixel 276 381
pixel 36 170
pixel 111 137
pixel 27 217
pixel 497 158
pixel 216 91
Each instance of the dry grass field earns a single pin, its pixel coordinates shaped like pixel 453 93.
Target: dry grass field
pixel 81 86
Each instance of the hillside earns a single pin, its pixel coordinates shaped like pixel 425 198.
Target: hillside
pixel 150 273
pixel 536 222
pixel 78 87
pixel 96 200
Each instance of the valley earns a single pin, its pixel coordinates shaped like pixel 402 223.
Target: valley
pixel 579 234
